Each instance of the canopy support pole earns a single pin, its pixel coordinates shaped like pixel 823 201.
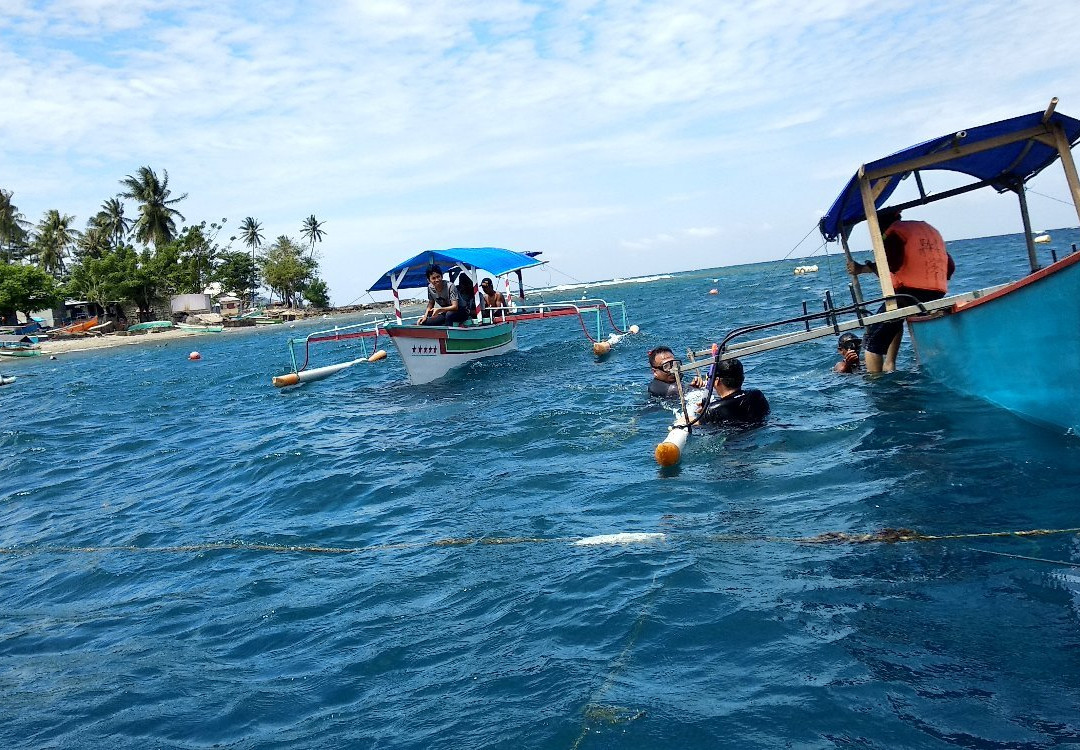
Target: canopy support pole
pixel 1033 259
pixel 1068 164
pixel 847 254
pixel 394 281
pixel 876 240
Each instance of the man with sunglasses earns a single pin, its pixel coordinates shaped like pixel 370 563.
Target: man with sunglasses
pixel 847 346
pixel 663 385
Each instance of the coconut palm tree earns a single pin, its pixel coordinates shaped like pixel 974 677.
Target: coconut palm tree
pixel 156 224
pixel 54 238
pixel 251 234
pixel 112 221
pixel 312 231
pixel 13 225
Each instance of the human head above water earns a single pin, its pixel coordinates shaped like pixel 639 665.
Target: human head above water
pixel 730 373
pixel 654 355
pixel 848 341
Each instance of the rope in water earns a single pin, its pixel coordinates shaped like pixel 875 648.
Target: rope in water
pixel 883 536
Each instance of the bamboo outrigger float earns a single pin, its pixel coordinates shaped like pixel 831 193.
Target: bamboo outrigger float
pixel 359 332
pixel 431 351
pixel 957 339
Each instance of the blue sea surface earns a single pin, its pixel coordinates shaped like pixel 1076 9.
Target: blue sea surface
pixel 190 558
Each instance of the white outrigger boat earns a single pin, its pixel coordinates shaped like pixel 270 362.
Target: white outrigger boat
pixel 431 351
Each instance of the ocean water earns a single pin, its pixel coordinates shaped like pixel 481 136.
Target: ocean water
pixel 190 558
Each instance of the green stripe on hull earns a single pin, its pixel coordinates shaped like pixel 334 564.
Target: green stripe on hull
pixel 471 344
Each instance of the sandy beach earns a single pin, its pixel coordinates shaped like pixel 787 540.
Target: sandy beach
pixel 110 341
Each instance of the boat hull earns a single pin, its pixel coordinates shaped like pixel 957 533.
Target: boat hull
pixel 1018 347
pixel 19 352
pixel 429 352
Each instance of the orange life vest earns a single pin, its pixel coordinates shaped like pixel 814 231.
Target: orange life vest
pixel 926 264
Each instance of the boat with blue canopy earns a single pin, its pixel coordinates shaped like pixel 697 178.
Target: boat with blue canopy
pixel 991 343
pixel 430 351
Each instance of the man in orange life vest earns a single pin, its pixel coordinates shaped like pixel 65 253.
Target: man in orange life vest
pixel 920 268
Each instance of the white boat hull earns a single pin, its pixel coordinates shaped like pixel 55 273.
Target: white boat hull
pixel 429 352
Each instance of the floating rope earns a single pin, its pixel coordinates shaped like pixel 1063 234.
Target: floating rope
pixel 883 536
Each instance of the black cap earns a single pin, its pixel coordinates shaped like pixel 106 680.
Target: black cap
pixel 849 339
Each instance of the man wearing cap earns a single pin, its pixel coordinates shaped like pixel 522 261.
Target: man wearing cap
pixel 920 268
pixel 847 346
pixel 735 406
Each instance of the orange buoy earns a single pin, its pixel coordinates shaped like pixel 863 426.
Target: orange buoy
pixel 634 328
pixel 381 354
pixel 601 348
pixel 194 356
pixel 669 452
pixel 282 381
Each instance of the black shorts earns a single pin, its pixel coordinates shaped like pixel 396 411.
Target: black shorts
pixel 880 335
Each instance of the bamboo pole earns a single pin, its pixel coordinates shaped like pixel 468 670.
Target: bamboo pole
pixel 1068 164
pixel 847 254
pixel 1033 259
pixel 876 240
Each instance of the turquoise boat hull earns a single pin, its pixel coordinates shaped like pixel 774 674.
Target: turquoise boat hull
pixel 1018 347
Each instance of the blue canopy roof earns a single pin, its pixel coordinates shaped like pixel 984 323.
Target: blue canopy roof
pixel 494 260
pixel 1005 165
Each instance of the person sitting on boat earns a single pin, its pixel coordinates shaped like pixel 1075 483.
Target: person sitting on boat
pixel 466 295
pixel 847 346
pixel 444 303
pixel 734 405
pixel 920 268
pixel 489 298
pixel 663 384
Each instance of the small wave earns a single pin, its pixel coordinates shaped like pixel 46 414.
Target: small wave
pixel 609 282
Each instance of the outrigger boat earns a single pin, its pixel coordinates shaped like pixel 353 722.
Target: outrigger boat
pixel 200 327
pixel 19 346
pixel 430 352
pixel 959 339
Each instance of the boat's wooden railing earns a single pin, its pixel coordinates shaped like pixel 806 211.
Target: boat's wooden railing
pixel 834 326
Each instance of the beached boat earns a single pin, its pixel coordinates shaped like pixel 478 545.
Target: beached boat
pixel 7 379
pixel 152 325
pixel 1015 345
pixel 80 326
pixel 200 328
pixel 19 346
pixel 430 352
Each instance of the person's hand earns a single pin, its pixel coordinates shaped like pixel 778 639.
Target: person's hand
pixel 697 382
pixel 851 356
pixel 853 268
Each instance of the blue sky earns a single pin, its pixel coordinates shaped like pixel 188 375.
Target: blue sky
pixel 619 138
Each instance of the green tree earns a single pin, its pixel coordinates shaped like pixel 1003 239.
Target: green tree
pixel 112 221
pixel 312 231
pixel 156 224
pixel 54 238
pixel 94 241
pixel 285 270
pixel 144 279
pixel 26 289
pixel 95 280
pixel 13 228
pixel 318 293
pixel 236 272
pixel 251 234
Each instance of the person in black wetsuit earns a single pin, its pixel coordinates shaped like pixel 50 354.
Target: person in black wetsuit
pixel 663 384
pixel 734 405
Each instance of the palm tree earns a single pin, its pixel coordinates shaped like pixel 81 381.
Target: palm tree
pixel 156 224
pixel 54 237
pixel 13 224
pixel 312 232
pixel 112 221
pixel 251 234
